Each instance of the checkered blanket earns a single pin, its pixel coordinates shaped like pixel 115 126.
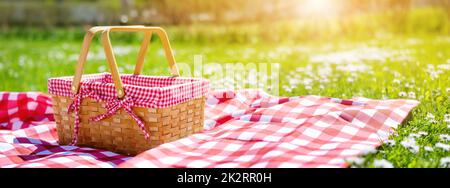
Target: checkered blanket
pixel 248 128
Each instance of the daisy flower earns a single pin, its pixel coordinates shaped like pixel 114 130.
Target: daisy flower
pixel 445 162
pixel 356 160
pixel 443 146
pixel 402 94
pixel 390 142
pixel 447 118
pixel 430 117
pixel 428 148
pixel 422 133
pixel 382 163
pixel 444 137
pixel 410 144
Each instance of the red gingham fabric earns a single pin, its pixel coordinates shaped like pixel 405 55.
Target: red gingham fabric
pixel 248 128
pixel 146 91
pixel 22 110
pixel 253 129
pixel 28 137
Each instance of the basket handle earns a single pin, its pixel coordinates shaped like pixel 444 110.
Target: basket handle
pixel 110 54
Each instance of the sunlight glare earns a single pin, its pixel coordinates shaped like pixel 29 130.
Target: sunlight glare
pixel 319 8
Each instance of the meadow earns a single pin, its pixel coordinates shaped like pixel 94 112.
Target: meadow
pixel 412 64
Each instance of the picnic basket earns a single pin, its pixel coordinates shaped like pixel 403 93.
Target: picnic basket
pixel 126 113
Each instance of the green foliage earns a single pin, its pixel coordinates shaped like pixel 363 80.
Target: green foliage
pixel 415 22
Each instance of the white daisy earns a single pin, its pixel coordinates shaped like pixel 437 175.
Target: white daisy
pixel 382 163
pixel 444 137
pixel 356 160
pixel 428 148
pixel 402 94
pixel 422 133
pixel 447 118
pixel 410 144
pixel 443 146
pixel 445 162
pixel 414 135
pixel 390 142
pixel 430 117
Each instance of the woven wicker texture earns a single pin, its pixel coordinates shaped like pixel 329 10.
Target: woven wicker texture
pixel 120 133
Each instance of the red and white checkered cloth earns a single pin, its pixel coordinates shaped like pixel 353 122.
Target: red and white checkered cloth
pixel 28 137
pixel 146 91
pixel 248 128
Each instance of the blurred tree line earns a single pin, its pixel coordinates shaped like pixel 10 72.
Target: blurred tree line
pixel 100 12
pixel 234 21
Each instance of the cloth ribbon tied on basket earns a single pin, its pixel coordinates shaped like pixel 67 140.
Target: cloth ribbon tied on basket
pixel 112 106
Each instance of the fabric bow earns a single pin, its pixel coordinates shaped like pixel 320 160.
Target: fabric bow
pixel 111 106
pixel 127 104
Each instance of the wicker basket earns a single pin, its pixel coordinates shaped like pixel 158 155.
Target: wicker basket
pixel 126 113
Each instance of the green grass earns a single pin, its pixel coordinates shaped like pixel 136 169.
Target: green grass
pixel 381 67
